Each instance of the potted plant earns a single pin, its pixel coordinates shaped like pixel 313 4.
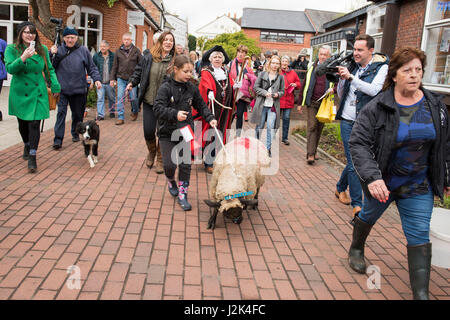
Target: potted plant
pixel 440 233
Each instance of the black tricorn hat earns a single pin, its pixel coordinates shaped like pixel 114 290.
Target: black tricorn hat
pixel 207 54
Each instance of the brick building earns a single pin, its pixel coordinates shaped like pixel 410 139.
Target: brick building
pixel 286 31
pixel 394 23
pixel 97 21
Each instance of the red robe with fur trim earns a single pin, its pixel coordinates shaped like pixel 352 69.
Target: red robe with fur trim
pixel 222 115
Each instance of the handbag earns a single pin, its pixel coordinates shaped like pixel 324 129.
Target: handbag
pixel 327 109
pixel 52 101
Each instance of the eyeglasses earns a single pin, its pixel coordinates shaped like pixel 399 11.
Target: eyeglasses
pixel 28 32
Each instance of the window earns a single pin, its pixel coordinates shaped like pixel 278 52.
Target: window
pixel 90 29
pixel 144 40
pixel 275 36
pixel 335 48
pixel 436 44
pixel 375 24
pixel 20 13
pixel 132 30
pixel 5 13
pixel 13 14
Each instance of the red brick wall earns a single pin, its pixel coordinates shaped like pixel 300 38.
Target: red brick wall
pixel 410 24
pixel 152 9
pixel 289 49
pixel 114 21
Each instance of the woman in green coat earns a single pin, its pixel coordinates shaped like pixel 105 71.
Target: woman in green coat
pixel 28 99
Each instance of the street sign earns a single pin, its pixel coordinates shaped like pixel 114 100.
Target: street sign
pixel 135 18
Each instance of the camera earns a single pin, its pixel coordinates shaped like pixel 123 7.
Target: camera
pixel 58 21
pixel 330 66
pixel 58 29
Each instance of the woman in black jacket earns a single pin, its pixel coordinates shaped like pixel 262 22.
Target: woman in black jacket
pixel 400 147
pixel 173 108
pixel 150 73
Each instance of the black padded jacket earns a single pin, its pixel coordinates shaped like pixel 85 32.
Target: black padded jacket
pixel 174 96
pixel 374 135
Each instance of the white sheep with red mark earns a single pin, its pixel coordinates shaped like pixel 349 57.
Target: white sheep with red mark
pixel 238 170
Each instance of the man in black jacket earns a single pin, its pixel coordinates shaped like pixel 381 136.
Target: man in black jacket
pixel 125 60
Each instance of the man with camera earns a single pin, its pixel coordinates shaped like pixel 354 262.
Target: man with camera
pixel 311 92
pixel 357 86
pixel 71 62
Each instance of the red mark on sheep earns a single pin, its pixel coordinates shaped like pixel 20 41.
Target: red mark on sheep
pixel 243 142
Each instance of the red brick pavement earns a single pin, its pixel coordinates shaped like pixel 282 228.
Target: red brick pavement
pixel 119 225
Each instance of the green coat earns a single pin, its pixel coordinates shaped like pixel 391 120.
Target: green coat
pixel 28 99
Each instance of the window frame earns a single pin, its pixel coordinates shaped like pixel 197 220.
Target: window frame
pixel 85 29
pixel 429 25
pixel 273 36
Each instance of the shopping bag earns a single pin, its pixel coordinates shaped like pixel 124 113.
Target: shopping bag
pixel 327 110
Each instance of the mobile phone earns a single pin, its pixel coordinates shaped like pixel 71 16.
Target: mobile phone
pixel 32 44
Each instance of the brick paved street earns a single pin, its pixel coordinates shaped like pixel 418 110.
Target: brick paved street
pixel 119 225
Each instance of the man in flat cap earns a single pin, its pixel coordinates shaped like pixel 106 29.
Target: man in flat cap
pixel 72 62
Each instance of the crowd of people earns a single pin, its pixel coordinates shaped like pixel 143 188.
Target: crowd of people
pixel 395 132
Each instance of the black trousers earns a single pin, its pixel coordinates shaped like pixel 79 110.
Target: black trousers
pixel 241 107
pixel 183 163
pixel 77 103
pixel 149 122
pixel 29 131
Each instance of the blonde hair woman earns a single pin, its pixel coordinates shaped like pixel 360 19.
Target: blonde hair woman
pixel 269 88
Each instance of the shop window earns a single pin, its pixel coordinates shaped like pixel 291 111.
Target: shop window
pixel 90 29
pixel 436 44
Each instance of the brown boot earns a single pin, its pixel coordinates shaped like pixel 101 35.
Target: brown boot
pixel 151 146
pixel 134 116
pixel 159 168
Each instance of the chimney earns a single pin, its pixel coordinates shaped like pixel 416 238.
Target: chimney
pixel 228 14
pixel 234 16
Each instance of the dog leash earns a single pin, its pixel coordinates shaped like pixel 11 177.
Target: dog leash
pixel 214 100
pixel 116 104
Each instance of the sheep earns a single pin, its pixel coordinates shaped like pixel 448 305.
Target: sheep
pixel 237 177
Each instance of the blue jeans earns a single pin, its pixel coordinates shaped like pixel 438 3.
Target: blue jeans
pixel 111 94
pixel 349 178
pixel 271 117
pixel 121 85
pixel 415 213
pixel 286 116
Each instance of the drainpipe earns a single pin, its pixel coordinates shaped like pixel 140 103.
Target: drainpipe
pixel 390 28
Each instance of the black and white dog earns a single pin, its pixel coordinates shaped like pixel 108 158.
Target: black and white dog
pixel 90 134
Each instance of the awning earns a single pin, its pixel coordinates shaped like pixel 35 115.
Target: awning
pixel 336 35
